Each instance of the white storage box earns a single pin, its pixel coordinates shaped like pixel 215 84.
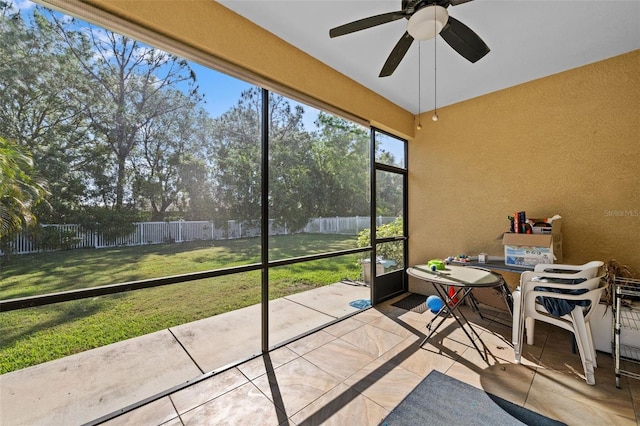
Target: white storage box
pixel 528 250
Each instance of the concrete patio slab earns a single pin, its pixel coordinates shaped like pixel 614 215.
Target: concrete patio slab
pixel 221 340
pixel 288 320
pixel 218 341
pixel 83 387
pixel 332 299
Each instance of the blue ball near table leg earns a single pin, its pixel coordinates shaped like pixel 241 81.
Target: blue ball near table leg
pixel 434 303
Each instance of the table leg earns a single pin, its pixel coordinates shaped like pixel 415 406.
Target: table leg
pixel 466 293
pixel 461 295
pixel 441 313
pixel 474 305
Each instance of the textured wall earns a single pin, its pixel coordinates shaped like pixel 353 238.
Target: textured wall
pixel 566 144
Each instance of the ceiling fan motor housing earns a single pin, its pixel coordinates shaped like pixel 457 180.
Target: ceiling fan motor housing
pixel 427 22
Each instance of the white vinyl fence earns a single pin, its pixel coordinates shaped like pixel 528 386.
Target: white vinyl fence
pixel 343 225
pixel 75 237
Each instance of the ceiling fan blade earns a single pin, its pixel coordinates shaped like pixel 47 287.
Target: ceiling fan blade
pixel 363 24
pixel 463 40
pixel 396 55
pixel 457 2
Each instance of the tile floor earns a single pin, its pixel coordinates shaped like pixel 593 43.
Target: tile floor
pixel 355 371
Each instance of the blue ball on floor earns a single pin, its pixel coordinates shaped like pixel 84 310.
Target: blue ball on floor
pixel 434 303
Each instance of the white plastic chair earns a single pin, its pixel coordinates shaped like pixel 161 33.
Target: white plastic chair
pixel 587 270
pixel 576 321
pixel 592 266
pixel 529 280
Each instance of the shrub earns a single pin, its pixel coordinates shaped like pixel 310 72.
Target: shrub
pixel 53 238
pixel 112 223
pixel 392 250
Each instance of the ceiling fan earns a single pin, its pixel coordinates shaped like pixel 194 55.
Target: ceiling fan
pixel 427 18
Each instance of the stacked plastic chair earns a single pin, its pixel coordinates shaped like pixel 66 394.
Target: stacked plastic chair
pixel 562 295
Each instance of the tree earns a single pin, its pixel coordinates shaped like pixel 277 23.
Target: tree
pixel 158 160
pixel 41 106
pixel 234 158
pixel 196 200
pixel 20 189
pixel 323 173
pixel 341 157
pixel 291 184
pixel 113 124
pixel 389 191
pixel 196 195
pixel 235 155
pixel 132 91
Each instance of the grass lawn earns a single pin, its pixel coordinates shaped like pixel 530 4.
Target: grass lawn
pixel 35 335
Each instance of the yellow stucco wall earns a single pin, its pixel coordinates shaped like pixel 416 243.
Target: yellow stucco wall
pixel 566 144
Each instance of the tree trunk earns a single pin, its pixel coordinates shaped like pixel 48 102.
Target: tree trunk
pixel 120 182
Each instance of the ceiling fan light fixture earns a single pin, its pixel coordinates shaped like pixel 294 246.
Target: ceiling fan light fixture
pixel 427 22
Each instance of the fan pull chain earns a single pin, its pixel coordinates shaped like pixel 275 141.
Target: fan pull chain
pixel 419 126
pixel 435 73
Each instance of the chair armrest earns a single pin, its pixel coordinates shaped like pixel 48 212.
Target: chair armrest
pixel 560 304
pixel 564 296
pixel 589 284
pixel 542 267
pixel 529 275
pixel 592 296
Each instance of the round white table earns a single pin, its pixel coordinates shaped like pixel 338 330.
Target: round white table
pixel 463 279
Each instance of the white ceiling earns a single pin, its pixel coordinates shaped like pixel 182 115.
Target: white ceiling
pixel 529 39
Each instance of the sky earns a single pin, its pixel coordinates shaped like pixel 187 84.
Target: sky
pixel 221 91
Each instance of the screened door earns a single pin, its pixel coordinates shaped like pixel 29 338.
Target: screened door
pixel 389 241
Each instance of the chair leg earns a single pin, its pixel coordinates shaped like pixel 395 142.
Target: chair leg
pixel 593 348
pixel 585 357
pixel 584 348
pixel 530 324
pixel 516 331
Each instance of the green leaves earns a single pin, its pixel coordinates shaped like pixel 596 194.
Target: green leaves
pixel 20 189
pixel 112 123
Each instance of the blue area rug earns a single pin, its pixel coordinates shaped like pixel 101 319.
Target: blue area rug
pixel 443 400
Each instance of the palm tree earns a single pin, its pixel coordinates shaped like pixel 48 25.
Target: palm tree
pixel 20 189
